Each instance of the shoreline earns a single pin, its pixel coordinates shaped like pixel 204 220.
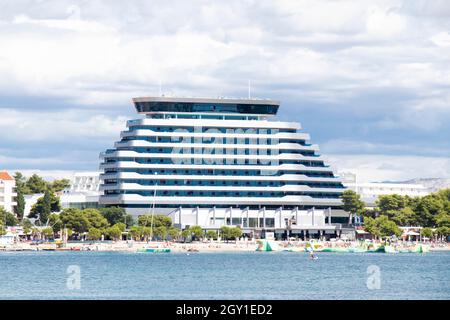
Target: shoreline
pixel 175 247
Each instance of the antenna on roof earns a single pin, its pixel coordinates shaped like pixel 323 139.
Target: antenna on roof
pixel 249 89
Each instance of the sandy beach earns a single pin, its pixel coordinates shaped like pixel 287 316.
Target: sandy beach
pixel 215 246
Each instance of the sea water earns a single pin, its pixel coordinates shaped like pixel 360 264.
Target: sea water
pixel 250 275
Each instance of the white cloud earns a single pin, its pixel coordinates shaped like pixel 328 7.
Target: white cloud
pixel 385 22
pixel 58 126
pixel 442 39
pixel 372 168
pixel 100 54
pixel 273 42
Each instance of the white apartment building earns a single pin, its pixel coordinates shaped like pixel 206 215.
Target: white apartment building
pixel 85 182
pixel 83 191
pixel 370 191
pixel 7 191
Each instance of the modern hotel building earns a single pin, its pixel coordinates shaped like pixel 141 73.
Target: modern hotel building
pixel 214 162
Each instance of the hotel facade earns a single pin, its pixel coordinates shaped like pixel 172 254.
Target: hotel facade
pixel 215 162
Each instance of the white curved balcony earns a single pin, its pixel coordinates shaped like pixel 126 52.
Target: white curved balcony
pixel 284 177
pixel 172 122
pixel 208 187
pixel 144 143
pixel 235 201
pixel 207 155
pixel 135 165
pixel 208 135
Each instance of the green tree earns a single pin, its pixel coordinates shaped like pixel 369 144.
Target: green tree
pixel 158 221
pixel 21 184
pixel 136 233
pixel 371 227
pixel 381 227
pixel 352 202
pixel 196 232
pixel 225 231
pixel 40 209
pixel 35 184
pixel 161 220
pixel 94 234
pixel 75 220
pixel 113 214
pixel 26 225
pixel 54 222
pixel 21 190
pixel 146 232
pixel 144 220
pixel 236 233
pixel 186 235
pixel 11 220
pixel 129 221
pixel 114 232
pixel 388 227
pixel 46 207
pixel 59 185
pixel 427 208
pixel 121 226
pixel 47 233
pixel 95 218
pixel 7 218
pixel 443 219
pixel 443 232
pixel 160 232
pixel 36 233
pixel 211 234
pixel 426 232
pixel 391 202
pixel 20 208
pixel 372 213
pixel 403 217
pixel 174 233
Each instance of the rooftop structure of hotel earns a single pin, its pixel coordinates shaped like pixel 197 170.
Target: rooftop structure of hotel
pixel 214 162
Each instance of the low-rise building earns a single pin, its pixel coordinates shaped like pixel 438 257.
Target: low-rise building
pixel 83 191
pixel 7 191
pixel 370 191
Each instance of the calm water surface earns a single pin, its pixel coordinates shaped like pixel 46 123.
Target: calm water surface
pixel 256 275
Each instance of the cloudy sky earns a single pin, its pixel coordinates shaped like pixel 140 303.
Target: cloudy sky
pixel 369 80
